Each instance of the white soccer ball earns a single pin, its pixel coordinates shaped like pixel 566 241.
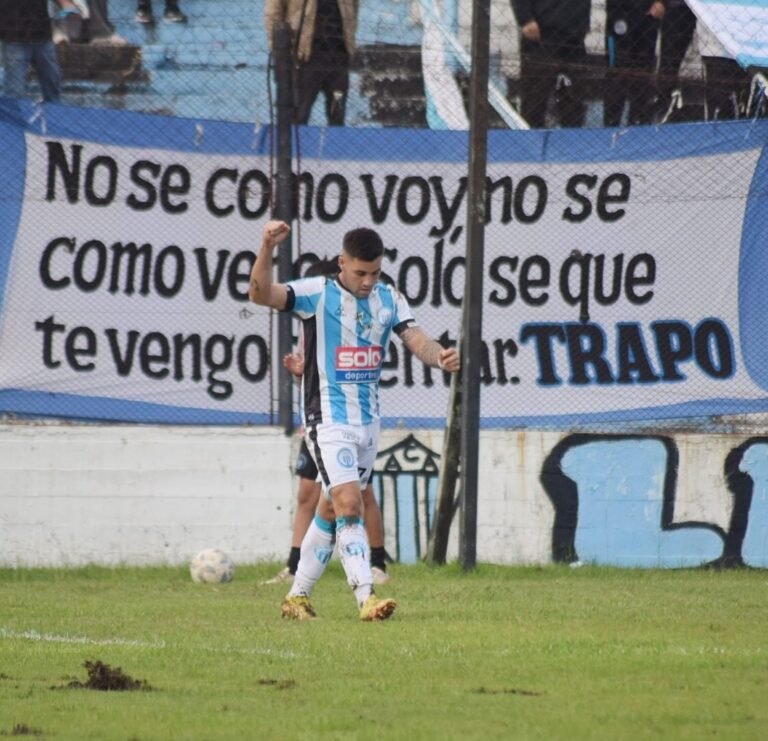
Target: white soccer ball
pixel 212 566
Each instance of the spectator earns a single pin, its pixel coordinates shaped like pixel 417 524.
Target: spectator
pixel 552 58
pixel 631 32
pixel 172 12
pixel 324 41
pixel 677 28
pixel 27 38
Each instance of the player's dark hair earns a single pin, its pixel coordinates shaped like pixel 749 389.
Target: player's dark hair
pixel 363 244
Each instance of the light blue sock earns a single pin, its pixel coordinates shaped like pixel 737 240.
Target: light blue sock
pixel 354 553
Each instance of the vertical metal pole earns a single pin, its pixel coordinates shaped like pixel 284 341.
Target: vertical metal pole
pixel 284 207
pixel 473 292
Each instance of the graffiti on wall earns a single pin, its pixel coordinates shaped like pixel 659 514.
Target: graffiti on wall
pixel 625 500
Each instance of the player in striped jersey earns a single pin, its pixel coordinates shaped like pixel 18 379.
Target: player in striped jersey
pixel 347 324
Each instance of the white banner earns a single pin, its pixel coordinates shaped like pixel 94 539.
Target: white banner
pixel 623 273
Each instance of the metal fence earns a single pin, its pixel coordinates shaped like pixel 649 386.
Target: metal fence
pixel 622 263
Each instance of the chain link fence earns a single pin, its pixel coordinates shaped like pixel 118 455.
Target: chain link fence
pixel 622 264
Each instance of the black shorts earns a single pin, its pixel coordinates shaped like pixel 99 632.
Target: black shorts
pixel 305 466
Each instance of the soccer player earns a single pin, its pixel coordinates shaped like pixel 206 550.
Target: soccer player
pixel 347 323
pixel 308 497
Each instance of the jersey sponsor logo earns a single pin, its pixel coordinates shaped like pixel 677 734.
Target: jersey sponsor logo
pixel 358 364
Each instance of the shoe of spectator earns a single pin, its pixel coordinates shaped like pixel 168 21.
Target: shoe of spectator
pixel 174 16
pixel 379 575
pixel 144 16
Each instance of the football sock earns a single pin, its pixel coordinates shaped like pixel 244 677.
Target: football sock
pixel 293 559
pixel 354 554
pixel 316 551
pixel 379 557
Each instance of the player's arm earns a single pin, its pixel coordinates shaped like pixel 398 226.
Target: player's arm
pixel 261 289
pixel 429 351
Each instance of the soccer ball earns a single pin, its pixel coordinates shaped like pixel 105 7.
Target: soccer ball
pixel 212 566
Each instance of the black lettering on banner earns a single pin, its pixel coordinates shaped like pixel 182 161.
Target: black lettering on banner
pixel 583 275
pixel 420 187
pixel 58 164
pixel 575 270
pixel 673 345
pixel 154 354
pixel 98 265
pixel 101 173
pixel 169 271
pixel 210 281
pixel 49 327
pixel 158 357
pixel 175 180
pixel 80 343
pixel 491 186
pixel 499 268
pixel 259 195
pixel 448 210
pixel 127 266
pixel 250 193
pixel 586 352
pixel 237 272
pixel 632 355
pixel 340 185
pixel 641 271
pixel 531 189
pixel 46 276
pixel 379 209
pixel 656 359
pixel 226 174
pixel 614 189
pixel 131 269
pixel 714 349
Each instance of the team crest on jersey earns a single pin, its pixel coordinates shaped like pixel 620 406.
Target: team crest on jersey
pixel 358 364
pixel 345 458
pixel 384 317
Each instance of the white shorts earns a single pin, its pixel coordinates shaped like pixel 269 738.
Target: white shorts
pixel 344 453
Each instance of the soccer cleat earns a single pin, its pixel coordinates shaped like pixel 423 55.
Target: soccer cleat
pixel 284 576
pixel 174 16
pixel 144 16
pixel 297 608
pixel 379 575
pixel 377 609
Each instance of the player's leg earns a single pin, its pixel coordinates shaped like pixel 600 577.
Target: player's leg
pixel 341 462
pixel 306 503
pixel 316 551
pixel 374 528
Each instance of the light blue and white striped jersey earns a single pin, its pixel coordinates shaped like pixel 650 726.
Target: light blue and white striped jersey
pixel 345 342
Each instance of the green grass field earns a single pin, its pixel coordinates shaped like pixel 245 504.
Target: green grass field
pixel 497 653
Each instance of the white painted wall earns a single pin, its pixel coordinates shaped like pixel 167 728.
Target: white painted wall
pixel 112 494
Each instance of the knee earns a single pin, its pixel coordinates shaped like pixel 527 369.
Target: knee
pixel 347 500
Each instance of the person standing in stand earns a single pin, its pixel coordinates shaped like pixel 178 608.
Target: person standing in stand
pixel 631 32
pixel 552 58
pixel 323 42
pixel 27 38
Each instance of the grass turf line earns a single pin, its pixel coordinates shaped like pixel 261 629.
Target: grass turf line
pixel 500 652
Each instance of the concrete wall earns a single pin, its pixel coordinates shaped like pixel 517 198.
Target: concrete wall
pixel 73 494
